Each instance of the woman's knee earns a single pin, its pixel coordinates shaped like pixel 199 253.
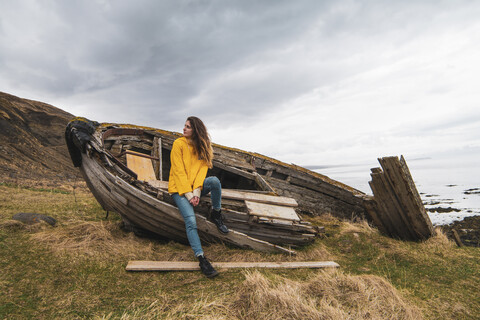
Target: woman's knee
pixel 214 182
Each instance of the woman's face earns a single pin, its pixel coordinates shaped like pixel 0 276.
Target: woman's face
pixel 187 130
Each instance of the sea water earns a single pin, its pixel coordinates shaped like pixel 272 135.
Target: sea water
pixel 448 184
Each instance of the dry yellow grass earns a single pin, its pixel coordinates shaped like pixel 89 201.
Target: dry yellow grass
pixel 329 295
pixel 361 226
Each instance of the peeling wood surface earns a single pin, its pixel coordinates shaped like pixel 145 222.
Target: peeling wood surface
pixel 271 211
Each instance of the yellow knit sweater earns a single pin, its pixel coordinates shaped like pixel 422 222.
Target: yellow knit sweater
pixel 187 172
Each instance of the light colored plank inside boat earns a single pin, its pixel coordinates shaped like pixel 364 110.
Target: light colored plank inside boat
pixel 192 266
pixel 263 198
pixel 271 211
pixel 159 184
pixel 141 166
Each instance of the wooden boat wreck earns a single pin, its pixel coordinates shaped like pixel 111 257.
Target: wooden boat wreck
pixel 127 167
pixel 262 199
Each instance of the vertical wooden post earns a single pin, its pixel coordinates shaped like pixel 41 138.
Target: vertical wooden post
pixel 157 153
pixel 160 172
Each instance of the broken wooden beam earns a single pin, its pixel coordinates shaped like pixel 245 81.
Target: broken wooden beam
pixel 397 209
pixel 193 266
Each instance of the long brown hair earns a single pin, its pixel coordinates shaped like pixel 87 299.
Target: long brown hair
pixel 201 140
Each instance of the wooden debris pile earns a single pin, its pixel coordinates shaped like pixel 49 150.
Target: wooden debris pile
pixel 396 207
pixel 259 215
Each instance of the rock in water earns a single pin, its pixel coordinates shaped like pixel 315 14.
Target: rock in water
pixel 32 218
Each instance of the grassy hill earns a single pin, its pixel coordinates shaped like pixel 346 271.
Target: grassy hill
pixel 32 142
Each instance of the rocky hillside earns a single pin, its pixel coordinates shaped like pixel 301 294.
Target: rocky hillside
pixel 32 143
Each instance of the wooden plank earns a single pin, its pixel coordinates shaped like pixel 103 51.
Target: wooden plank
pixel 300 172
pixel 391 211
pixel 234 170
pixel 371 209
pixel 384 221
pixel 157 153
pixel 232 158
pixel 263 183
pixel 141 166
pixel 158 184
pixel 193 266
pixel 428 229
pixel 323 187
pixel 256 197
pixel 160 155
pixel 413 211
pixel 295 239
pixel 271 211
pixel 137 144
pixel 317 202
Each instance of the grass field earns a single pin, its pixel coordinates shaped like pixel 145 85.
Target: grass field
pixel 76 270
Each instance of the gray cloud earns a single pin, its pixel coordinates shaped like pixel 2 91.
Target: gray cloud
pixel 321 76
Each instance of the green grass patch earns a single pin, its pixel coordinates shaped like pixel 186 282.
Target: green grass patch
pixel 38 189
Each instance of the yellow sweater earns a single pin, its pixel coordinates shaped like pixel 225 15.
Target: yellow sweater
pixel 187 172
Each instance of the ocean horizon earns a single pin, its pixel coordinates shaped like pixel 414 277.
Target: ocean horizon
pixel 448 184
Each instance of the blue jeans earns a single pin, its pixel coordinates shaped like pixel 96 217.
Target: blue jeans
pixel 210 184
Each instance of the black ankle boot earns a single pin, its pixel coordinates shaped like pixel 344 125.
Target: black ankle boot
pixel 206 267
pixel 216 217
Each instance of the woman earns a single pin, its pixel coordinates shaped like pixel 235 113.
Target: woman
pixel 190 159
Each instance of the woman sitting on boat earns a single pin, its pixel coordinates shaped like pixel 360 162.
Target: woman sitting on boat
pixel 190 158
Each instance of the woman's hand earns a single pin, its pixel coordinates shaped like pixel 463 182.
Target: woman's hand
pixel 195 201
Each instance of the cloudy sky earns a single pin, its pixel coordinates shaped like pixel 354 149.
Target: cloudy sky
pixel 308 82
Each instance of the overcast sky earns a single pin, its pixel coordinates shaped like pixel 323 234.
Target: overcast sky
pixel 308 82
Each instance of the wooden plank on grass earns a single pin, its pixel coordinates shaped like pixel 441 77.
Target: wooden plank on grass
pixel 271 211
pixel 192 266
